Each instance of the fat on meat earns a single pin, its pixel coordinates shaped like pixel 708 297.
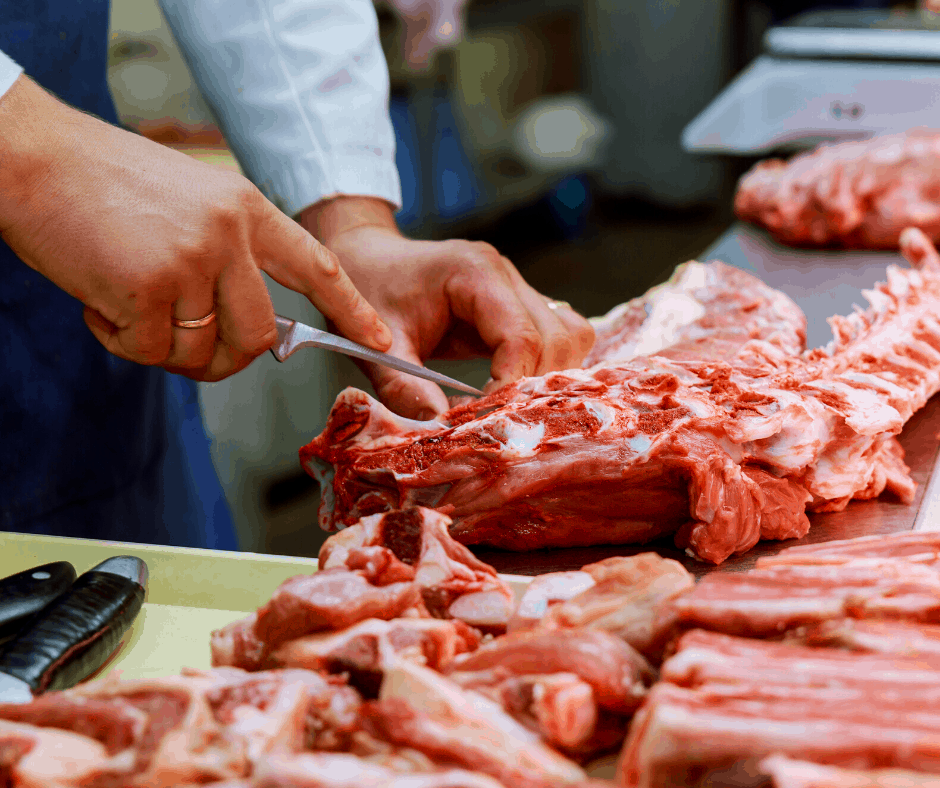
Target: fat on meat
pixel 849 194
pixel 921 547
pixel 882 637
pixel 454 583
pixel 625 596
pixel 719 452
pixel 792 773
pixel 768 601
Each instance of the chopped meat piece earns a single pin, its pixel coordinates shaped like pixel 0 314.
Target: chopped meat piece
pixel 851 194
pixel 31 756
pixel 767 601
pixel 367 649
pixel 918 546
pixel 454 583
pixel 334 770
pixel 420 709
pixel 883 637
pixel 625 596
pixel 560 707
pixel 326 600
pixel 618 674
pixel 718 448
pixel 789 773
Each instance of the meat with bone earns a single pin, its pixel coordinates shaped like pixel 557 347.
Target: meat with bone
pixel 919 547
pixel 626 597
pixel 721 453
pixel 747 699
pixel 766 602
pixel 851 194
pixel 423 710
pixel 453 582
pixel 883 637
pixel 789 773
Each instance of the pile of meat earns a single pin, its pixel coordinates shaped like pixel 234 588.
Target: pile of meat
pixel 828 654
pixel 381 669
pixel 817 669
pixel 700 416
pixel 851 194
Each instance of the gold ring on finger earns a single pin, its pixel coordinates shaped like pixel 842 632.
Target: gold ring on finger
pixel 200 323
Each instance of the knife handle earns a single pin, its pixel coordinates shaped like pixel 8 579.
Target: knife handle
pixel 24 594
pixel 75 635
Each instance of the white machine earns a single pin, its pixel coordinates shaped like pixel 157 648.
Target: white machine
pixel 827 76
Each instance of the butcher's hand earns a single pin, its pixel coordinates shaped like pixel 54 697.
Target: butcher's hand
pixel 141 234
pixel 445 299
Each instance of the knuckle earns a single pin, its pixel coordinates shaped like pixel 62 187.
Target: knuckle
pixel 326 261
pixel 531 342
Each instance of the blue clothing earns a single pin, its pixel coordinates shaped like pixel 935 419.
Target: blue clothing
pixel 90 445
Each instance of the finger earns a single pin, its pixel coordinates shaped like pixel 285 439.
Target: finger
pixel 407 395
pixel 245 314
pixel 484 297
pixel 145 339
pixel 295 259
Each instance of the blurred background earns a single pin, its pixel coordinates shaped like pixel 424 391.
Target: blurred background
pixel 549 128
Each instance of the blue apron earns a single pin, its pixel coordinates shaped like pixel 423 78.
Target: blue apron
pixel 90 445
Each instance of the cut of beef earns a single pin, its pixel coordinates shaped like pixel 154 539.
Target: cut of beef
pixel 921 547
pixel 789 773
pixel 453 582
pixel 718 450
pixel 883 637
pixel 851 194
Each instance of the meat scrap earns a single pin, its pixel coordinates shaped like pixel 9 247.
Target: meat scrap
pixel 790 773
pixel 718 448
pixel 453 582
pixel 918 546
pixel 626 597
pixel 850 194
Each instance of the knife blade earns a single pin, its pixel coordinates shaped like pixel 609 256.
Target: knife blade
pixel 292 336
pixel 26 593
pixel 74 635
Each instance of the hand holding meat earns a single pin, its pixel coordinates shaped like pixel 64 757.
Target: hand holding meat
pixel 855 194
pixel 447 299
pixel 142 235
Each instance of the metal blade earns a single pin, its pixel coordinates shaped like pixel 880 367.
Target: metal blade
pixel 292 336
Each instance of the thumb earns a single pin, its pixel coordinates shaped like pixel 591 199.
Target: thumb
pixel 405 394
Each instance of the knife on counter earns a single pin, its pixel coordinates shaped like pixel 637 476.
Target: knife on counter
pixel 292 336
pixel 75 634
pixel 24 594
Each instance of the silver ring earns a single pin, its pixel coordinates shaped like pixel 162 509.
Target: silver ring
pixel 558 304
pixel 200 323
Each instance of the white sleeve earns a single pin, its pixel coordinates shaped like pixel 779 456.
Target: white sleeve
pixel 9 71
pixel 300 89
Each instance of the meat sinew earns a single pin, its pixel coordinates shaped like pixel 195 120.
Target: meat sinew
pixel 720 445
pixel 851 194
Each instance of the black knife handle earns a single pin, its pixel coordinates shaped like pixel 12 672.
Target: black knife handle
pixel 24 594
pixel 76 634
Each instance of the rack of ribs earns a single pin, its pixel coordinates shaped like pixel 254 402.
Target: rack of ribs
pixel 851 194
pixel 717 443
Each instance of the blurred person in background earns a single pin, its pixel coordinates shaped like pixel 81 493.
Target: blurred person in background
pixel 161 257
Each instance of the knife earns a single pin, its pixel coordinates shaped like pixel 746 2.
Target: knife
pixel 292 336
pixel 24 594
pixel 74 635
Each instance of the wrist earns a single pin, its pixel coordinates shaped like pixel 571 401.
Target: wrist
pixel 329 219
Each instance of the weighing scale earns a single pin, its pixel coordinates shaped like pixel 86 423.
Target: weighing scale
pixel 823 77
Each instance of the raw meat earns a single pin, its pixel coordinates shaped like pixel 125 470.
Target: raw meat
pixel 919 547
pixel 623 596
pixel 789 773
pixel 766 601
pixel 883 637
pixel 720 453
pixel 453 582
pixel 423 710
pixel 618 675
pixel 745 699
pixel 851 194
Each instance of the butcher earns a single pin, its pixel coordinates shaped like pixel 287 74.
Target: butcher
pixel 130 271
